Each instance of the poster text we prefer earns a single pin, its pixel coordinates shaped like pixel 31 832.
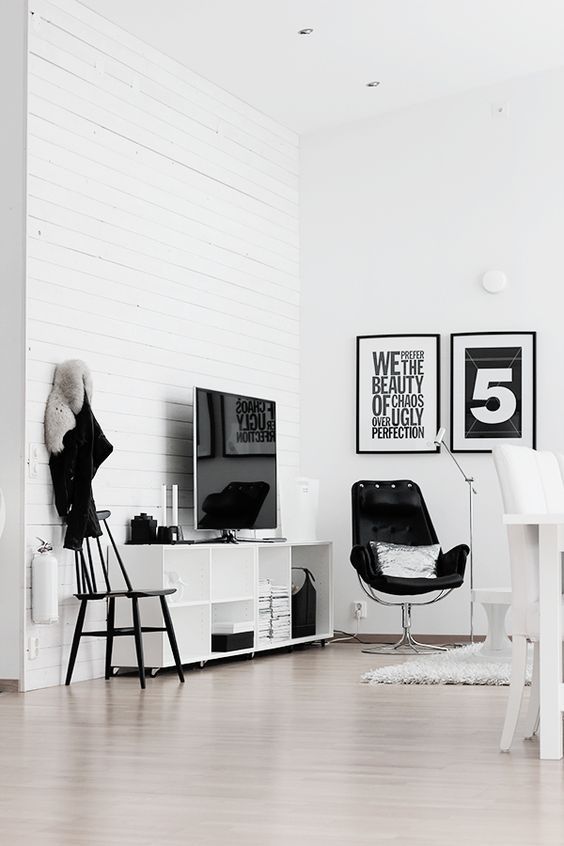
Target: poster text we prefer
pixel 397 394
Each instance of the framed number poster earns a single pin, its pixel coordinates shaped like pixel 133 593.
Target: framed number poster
pixel 397 393
pixel 493 390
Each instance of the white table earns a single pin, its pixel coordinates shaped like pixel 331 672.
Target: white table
pixel 495 602
pixel 551 689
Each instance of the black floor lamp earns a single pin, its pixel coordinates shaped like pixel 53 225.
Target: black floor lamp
pixel 439 441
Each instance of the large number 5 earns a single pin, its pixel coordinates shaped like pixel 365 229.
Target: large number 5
pixel 485 390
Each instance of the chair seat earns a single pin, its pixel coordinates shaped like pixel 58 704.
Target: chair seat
pixel 413 587
pixel 157 592
pixel 102 594
pixel 130 594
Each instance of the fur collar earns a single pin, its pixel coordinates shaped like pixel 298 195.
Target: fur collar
pixel 72 382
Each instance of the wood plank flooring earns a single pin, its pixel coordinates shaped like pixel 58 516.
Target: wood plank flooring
pixel 285 749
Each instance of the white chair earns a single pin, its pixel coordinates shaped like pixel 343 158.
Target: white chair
pixel 531 483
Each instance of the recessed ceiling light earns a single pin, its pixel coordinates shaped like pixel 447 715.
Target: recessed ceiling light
pixel 374 84
pixel 307 31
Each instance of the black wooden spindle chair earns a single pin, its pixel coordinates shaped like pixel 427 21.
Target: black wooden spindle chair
pixel 88 591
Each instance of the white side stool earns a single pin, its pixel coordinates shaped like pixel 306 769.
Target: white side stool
pixel 495 602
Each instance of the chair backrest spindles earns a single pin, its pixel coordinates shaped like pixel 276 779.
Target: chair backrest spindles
pixel 103 564
pixel 118 556
pixel 91 565
pixel 85 571
pixel 86 582
pixel 77 572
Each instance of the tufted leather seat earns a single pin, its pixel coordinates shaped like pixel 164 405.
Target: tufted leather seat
pixel 395 512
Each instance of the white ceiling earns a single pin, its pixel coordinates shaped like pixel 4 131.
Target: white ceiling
pixel 418 49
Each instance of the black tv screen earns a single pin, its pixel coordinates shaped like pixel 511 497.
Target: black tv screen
pixel 234 461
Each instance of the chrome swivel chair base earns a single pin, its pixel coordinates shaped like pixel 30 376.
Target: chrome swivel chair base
pixel 407 644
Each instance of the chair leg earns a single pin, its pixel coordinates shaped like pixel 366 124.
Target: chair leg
pixel 138 641
pixel 110 636
pixel 532 724
pixel 76 639
pixel 516 688
pixel 171 637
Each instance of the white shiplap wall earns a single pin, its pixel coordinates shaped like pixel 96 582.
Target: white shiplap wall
pixel 163 250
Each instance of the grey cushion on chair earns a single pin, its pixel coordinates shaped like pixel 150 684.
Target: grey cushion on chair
pixel 406 562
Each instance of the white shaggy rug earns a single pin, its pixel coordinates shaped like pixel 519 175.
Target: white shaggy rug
pixel 457 666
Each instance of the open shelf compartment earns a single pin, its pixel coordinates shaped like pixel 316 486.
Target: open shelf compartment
pixel 242 611
pixel 192 627
pixel 232 573
pixel 315 558
pixel 189 576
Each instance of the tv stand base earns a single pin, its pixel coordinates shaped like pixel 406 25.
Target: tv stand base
pixel 231 536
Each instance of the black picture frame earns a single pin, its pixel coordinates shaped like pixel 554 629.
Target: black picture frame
pixel 431 409
pixel 515 351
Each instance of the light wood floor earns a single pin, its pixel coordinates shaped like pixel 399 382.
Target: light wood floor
pixel 286 749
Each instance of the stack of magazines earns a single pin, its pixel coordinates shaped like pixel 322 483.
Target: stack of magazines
pixel 265 610
pixel 281 625
pixel 274 623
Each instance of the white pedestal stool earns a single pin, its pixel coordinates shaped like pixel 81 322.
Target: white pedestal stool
pixel 495 602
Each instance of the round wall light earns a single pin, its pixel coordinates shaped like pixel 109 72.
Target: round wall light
pixel 494 281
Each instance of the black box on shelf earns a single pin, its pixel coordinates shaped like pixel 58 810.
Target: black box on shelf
pixel 232 642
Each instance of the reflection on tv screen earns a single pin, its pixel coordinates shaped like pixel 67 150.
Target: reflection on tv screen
pixel 234 461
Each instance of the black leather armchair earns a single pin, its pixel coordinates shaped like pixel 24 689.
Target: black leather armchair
pixel 395 512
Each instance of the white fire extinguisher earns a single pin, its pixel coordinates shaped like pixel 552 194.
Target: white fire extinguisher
pixel 44 585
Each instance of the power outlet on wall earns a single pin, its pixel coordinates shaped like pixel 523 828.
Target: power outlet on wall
pixel 33 648
pixel 33 461
pixel 359 610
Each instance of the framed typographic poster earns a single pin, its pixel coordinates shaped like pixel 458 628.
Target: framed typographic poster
pixel 493 390
pixel 397 393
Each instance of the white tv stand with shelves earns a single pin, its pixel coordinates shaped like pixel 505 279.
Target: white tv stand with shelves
pixel 216 582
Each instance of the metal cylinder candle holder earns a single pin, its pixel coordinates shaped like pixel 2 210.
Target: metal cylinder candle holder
pixel 165 534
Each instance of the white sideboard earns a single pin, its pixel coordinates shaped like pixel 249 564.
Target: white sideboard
pixel 215 582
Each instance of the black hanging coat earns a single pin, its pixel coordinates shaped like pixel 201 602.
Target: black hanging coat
pixel 77 447
pixel 84 449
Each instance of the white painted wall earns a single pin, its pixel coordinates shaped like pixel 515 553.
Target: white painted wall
pixel 163 250
pixel 12 325
pixel 400 217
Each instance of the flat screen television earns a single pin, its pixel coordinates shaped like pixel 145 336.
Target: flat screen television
pixel 234 461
